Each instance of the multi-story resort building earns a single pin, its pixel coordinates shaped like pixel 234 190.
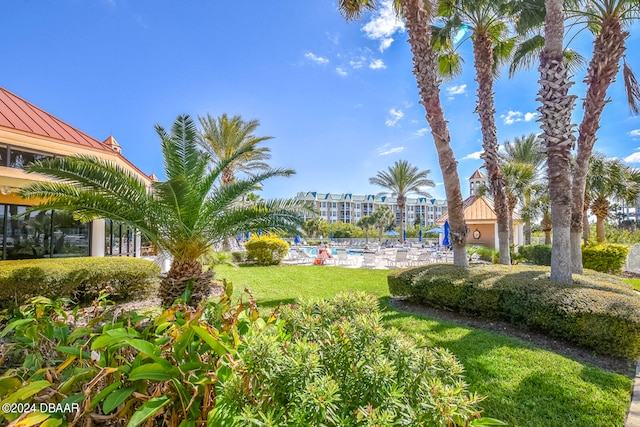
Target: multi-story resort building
pixel 351 208
pixel 27 133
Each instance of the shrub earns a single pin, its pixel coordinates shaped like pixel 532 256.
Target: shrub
pixel 266 249
pixel 81 278
pixel 331 363
pixel 604 258
pixel 536 254
pixel 596 310
pixel 239 257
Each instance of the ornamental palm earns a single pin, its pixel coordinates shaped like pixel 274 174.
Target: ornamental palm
pixel 487 20
pixel 610 179
pixel 366 223
pixel 383 218
pixel 519 178
pixel 402 179
pixel 223 137
pixel 418 16
pixel 183 215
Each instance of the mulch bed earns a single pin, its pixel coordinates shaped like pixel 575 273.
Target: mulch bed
pixel 557 345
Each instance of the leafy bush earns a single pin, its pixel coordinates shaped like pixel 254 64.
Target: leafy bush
pixel 331 363
pixel 596 310
pixel 604 258
pixel 266 249
pixel 536 254
pixel 78 278
pixel 239 257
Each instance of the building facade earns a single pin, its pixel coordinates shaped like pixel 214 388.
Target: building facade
pixel 27 133
pixel 351 208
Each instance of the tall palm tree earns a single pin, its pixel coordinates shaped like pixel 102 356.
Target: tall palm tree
pixel 366 223
pixel 519 178
pixel 526 150
pixel 183 215
pixel 610 179
pixel 418 16
pixel 401 179
pixel 223 137
pixel 487 20
pixel 557 133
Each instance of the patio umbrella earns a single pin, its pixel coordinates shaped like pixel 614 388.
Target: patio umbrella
pixel 420 235
pixel 404 235
pixel 438 229
pixel 259 232
pixel 247 235
pixel 391 233
pixel 296 239
pixel 239 237
pixel 331 236
pixel 445 241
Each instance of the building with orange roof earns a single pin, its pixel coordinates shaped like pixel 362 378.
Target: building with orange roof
pixel 480 216
pixel 28 133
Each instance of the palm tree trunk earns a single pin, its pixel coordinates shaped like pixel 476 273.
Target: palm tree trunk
pixel 608 49
pixel 180 275
pixel 586 230
pixel 555 113
pixel 600 234
pixel 418 22
pixel 483 63
pixel 401 204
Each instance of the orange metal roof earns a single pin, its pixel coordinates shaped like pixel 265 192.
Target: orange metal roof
pixel 477 174
pixel 16 113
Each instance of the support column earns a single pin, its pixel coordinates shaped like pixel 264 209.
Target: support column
pixel 97 237
pixel 496 241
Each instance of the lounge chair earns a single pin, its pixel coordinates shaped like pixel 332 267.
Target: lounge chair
pixel 304 258
pixel 400 259
pixel 422 259
pixel 342 257
pixel 369 260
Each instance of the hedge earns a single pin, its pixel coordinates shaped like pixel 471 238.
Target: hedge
pixel 266 249
pixel 596 310
pixel 601 257
pixel 79 278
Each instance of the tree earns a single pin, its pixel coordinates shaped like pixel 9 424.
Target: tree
pixel 492 45
pixel 402 179
pixel 557 133
pixel 383 218
pixel 183 215
pixel 524 150
pixel 418 16
pixel 313 226
pixel 610 179
pixel 366 223
pixel 518 177
pixel 222 138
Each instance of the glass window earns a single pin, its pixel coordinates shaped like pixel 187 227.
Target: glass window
pixel 71 237
pixel 27 236
pixel 119 239
pixel 2 208
pixel 3 156
pixel 20 158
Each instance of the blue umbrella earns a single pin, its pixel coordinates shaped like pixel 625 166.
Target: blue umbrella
pixel 391 233
pixel 404 235
pixel 239 237
pixel 259 232
pixel 247 235
pixel 331 236
pixel 438 229
pixel 420 235
pixel 445 241
pixel 296 240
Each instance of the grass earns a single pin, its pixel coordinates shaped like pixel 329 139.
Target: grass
pixel 633 282
pixel 524 385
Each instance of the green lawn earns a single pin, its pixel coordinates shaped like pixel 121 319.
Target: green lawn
pixel 634 282
pixel 524 385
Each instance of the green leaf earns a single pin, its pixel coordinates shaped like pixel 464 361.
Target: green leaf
pixel 187 423
pixel 52 422
pixel 33 419
pixel 104 393
pixel 214 342
pixel 116 398
pixel 484 421
pixel 74 351
pixel 8 384
pixel 13 325
pixel 27 391
pixel 74 398
pixel 147 410
pixel 151 371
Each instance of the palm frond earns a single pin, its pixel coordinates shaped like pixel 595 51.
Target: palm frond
pixel 632 88
pixel 352 10
pixel 526 54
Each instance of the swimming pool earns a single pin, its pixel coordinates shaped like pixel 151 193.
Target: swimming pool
pixel 314 251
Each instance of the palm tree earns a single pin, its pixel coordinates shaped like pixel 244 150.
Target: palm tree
pixel 366 223
pixel 610 179
pixel 487 20
pixel 557 133
pixel 183 215
pixel 418 16
pixel 383 218
pixel 402 179
pixel 525 150
pixel 222 138
pixel 519 178
pixel 312 226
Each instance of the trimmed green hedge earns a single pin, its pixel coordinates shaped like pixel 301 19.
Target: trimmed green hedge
pixel 79 278
pixel 266 249
pixel 536 254
pixel 596 310
pixel 605 258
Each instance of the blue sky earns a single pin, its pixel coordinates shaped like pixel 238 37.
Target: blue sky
pixel 339 98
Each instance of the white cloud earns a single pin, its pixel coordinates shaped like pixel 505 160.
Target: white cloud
pixel 341 72
pixel 456 90
pixel 511 117
pixel 396 115
pixel 473 156
pixel 633 158
pixel 383 25
pixel 530 116
pixel 377 64
pixel 317 59
pixel 387 149
pixel 421 132
pixel 635 132
pixel 355 64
